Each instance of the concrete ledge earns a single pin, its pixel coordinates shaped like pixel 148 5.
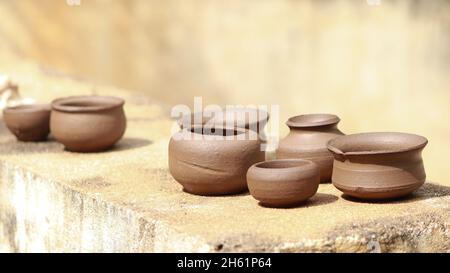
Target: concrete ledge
pixel 125 200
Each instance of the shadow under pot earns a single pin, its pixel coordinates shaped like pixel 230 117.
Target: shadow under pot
pixel 238 117
pixel 28 122
pixel 283 183
pixel 213 162
pixel 308 138
pixel 378 165
pixel 88 123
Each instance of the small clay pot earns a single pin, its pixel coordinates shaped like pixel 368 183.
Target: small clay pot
pixel 88 123
pixel 283 183
pixel 378 165
pixel 308 138
pixel 28 122
pixel 237 117
pixel 209 163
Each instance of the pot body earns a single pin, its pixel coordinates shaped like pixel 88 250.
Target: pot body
pixel 88 131
pixel 310 143
pixel 283 183
pixel 28 122
pixel 379 176
pixel 212 166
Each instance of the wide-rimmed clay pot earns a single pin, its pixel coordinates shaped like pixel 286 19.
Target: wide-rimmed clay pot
pixel 209 163
pixel 88 123
pixel 378 165
pixel 237 117
pixel 308 138
pixel 28 122
pixel 283 183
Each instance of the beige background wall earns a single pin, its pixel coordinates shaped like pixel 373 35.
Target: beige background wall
pixel 380 67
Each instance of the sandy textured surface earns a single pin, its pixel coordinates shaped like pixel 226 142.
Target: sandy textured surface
pixel 125 199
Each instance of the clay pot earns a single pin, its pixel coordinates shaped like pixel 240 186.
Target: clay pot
pixel 283 183
pixel 209 163
pixel 378 165
pixel 308 138
pixel 28 122
pixel 88 123
pixel 246 118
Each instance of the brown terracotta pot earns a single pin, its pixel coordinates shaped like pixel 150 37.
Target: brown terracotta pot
pixel 283 183
pixel 28 122
pixel 88 123
pixel 308 138
pixel 247 118
pixel 206 166
pixel 378 165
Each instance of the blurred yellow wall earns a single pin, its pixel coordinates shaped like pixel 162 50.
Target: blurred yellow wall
pixel 380 68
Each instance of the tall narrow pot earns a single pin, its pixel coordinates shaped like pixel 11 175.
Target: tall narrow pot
pixel 308 138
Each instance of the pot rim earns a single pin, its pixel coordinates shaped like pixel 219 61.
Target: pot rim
pixel 28 108
pixel 421 143
pixel 303 164
pixel 92 103
pixel 302 121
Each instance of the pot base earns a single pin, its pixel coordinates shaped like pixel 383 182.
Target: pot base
pixel 376 193
pixel 210 190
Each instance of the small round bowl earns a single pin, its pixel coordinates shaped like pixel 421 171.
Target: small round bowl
pixel 88 123
pixel 381 165
pixel 283 183
pixel 28 122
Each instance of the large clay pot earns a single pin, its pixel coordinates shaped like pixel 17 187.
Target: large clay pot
pixel 28 122
pixel 206 163
pixel 283 183
pixel 378 165
pixel 237 117
pixel 88 123
pixel 308 138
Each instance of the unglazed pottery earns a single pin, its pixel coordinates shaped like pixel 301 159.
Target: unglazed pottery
pixel 378 165
pixel 308 138
pixel 283 183
pixel 237 117
pixel 209 163
pixel 88 123
pixel 28 122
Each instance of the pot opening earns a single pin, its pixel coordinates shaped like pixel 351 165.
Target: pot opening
pixel 312 120
pixel 28 108
pixel 206 131
pixel 376 143
pixel 283 164
pixel 86 103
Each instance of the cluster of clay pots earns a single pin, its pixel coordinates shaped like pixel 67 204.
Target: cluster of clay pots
pixel 366 166
pixel 80 123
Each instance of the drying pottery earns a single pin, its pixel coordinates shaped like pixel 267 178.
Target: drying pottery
pixel 308 138
pixel 88 123
pixel 237 117
pixel 213 162
pixel 283 183
pixel 378 165
pixel 28 122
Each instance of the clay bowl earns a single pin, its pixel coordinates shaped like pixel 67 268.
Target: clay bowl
pixel 28 122
pixel 283 183
pixel 237 117
pixel 378 165
pixel 88 123
pixel 209 163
